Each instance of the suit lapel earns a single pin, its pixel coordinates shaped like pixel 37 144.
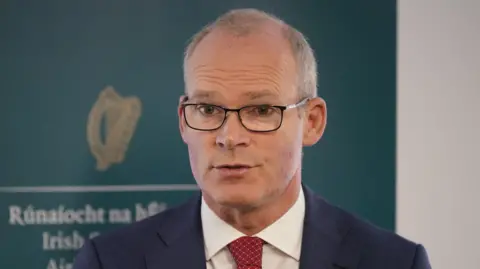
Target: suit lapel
pixel 180 243
pixel 325 230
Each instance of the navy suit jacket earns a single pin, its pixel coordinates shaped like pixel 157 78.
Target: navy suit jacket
pixel 332 238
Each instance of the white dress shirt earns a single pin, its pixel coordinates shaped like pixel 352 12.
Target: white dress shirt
pixel 283 239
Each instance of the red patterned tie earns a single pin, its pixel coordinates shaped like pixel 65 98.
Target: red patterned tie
pixel 247 252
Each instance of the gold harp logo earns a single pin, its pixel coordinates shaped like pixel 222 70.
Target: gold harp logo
pixel 120 116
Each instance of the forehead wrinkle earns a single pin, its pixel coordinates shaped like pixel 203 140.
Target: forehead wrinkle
pixel 240 77
pixel 239 80
pixel 253 69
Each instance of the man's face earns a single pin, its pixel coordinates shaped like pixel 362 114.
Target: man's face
pixel 233 166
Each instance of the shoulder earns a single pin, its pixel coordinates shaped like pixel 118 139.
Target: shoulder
pixel 378 247
pixel 351 227
pixel 143 232
pixel 127 245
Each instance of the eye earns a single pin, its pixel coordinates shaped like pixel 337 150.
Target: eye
pixel 262 110
pixel 208 109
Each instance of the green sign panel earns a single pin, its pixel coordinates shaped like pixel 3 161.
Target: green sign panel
pixel 90 138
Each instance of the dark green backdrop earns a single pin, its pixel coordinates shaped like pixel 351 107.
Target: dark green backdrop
pixel 57 56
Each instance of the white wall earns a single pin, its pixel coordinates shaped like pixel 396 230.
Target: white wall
pixel 438 147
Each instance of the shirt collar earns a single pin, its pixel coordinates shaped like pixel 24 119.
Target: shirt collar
pixel 285 234
pixel 216 232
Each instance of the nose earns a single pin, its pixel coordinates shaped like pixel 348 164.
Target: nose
pixel 232 134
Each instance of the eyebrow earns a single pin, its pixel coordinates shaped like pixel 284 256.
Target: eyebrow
pixel 203 94
pixel 252 95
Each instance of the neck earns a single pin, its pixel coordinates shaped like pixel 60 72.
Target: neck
pixel 253 220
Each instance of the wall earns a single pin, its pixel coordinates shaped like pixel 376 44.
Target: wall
pixel 438 129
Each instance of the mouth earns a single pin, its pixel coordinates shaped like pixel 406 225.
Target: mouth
pixel 235 170
pixel 232 166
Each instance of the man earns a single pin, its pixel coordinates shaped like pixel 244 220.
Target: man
pixel 250 106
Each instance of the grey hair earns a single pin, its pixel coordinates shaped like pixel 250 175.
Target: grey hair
pixel 242 22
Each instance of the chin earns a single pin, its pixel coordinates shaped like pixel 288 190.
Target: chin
pixel 241 205
pixel 235 198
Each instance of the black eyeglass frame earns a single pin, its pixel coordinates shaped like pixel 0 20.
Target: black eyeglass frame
pixel 237 110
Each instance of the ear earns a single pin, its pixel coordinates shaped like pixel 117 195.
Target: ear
pixel 315 121
pixel 181 118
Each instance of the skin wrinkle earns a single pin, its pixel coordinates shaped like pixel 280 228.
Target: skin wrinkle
pixel 241 77
pixel 251 68
pixel 218 82
pixel 263 72
pixel 236 78
pixel 226 84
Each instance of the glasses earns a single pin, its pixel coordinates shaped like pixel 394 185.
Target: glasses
pixel 255 118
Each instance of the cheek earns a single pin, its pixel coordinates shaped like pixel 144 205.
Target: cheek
pixel 198 152
pixel 194 165
pixel 287 163
pixel 283 155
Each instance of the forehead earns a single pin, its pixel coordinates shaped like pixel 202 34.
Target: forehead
pixel 257 66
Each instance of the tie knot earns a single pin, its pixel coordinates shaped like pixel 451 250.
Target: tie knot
pixel 247 251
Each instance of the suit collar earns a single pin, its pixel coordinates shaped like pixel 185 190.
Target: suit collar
pixel 180 240
pixel 325 233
